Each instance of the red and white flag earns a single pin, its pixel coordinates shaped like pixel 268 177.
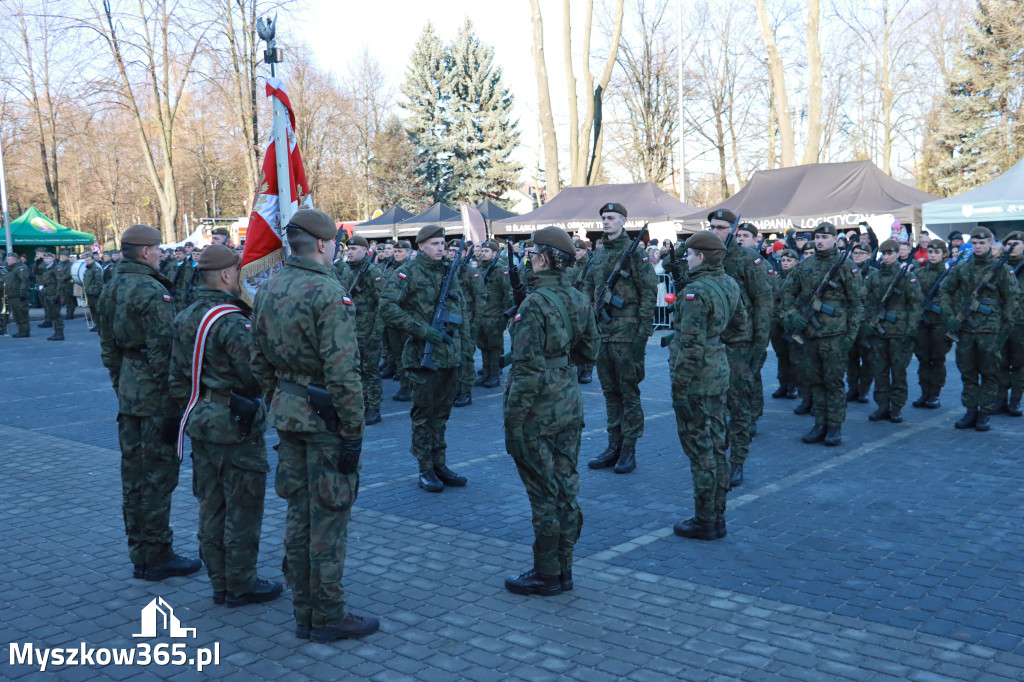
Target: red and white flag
pixel 264 254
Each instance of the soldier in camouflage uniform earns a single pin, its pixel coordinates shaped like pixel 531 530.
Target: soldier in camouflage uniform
pixel 744 346
pixel 579 277
pixel 396 338
pixel 747 235
pixel 137 315
pixel 226 425
pixel 66 285
pixel 92 287
pixel 180 275
pixel 859 373
pixel 782 344
pixel 16 288
pixel 553 330
pixel 826 347
pixel 931 345
pixel 620 363
pixel 366 295
pixel 469 280
pixel 408 304
pixel 49 291
pixel 495 297
pixel 979 344
pixel 699 369
pixel 305 348
pixel 1011 375
pixel 891 327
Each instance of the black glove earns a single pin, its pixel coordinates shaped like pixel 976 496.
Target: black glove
pixel 169 430
pixel 348 458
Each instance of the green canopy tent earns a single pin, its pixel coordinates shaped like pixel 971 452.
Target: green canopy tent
pixel 32 228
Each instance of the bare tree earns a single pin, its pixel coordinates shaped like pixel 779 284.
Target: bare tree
pixel 779 92
pixel 813 150
pixel 547 120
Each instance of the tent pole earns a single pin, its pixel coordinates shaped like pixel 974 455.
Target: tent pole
pixel 3 202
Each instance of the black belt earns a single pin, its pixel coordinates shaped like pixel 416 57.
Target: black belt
pixel 556 362
pixel 292 388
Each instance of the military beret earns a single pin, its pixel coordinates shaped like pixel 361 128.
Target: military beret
pixel 863 247
pixel 722 214
pixel 825 228
pixel 489 244
pixel 141 235
pixel 789 253
pixel 936 243
pixel 316 223
pixel 47 254
pixel 179 248
pixel 223 231
pixel 1014 237
pixel 556 237
pixel 217 257
pixel 889 245
pixel 579 243
pixel 190 244
pixel 359 241
pixel 981 233
pixel 429 232
pixel 803 235
pixel 748 227
pixel 706 241
pixel 403 244
pixel 612 208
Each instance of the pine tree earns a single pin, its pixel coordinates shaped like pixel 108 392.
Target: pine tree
pixel 980 124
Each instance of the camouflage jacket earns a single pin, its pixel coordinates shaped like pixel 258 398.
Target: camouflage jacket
pixel 1000 295
pixel 1015 263
pixel 846 296
pixel 408 304
pixel 578 276
pixel 927 275
pixel 136 314
pixel 180 277
pixel 469 279
pixel 49 280
pixel 226 368
pixel 92 283
pixel 639 291
pixel 343 272
pixel 367 299
pixel 303 329
pixel 65 282
pixel 109 270
pixel 751 272
pixel 16 282
pixel 708 304
pixel 495 291
pixel 538 397
pixel 904 303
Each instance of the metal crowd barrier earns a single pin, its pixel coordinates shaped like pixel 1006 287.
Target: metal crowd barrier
pixel 663 311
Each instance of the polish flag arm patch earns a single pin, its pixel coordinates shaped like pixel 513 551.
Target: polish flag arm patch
pixel 402 275
pixel 690 297
pixel 518 317
pixel 167 297
pixel 346 300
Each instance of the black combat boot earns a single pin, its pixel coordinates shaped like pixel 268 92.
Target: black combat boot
pixel 896 415
pixel 815 435
pixel 1001 407
pixel 430 482
pixel 463 400
pixel 627 460
pixel 261 591
pixel 387 373
pixel 352 627
pixel 922 401
pixel 780 392
pixel 565 579
pixel 46 325
pixel 59 336
pixel 968 420
pixel 720 531
pixel 607 458
pixel 1013 407
pixel 804 407
pixel 697 530
pixel 179 565
pixel 449 477
pixel 834 435
pixel 983 422
pixel 404 395
pixel 881 414
pixel 792 393
pixel 21 335
pixel 933 402
pixel 736 479
pixel 492 381
pixel 372 417
pixel 533 582
pixel 862 397
pixel 586 375
pixel 851 395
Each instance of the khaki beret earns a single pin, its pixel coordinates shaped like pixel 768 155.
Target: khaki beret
pixel 705 241
pixel 936 243
pixel 359 241
pixel 47 254
pixel 217 257
pixel 863 247
pixel 580 243
pixel 556 237
pixel 490 244
pixel 612 208
pixel 981 233
pixel 429 232
pixel 889 245
pixel 789 253
pixel 141 235
pixel 403 244
pixel 748 227
pixel 223 231
pixel 825 228
pixel 722 214
pixel 1014 237
pixel 316 223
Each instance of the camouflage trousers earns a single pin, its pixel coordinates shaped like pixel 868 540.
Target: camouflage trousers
pixel 977 358
pixel 70 301
pixel 320 500
pixel 467 370
pixel 552 483
pixel 149 474
pixel 740 399
pixel 889 361
pixel 51 305
pixel 823 365
pixel 369 373
pixel 931 346
pixel 1011 370
pixel 758 356
pixel 700 420
pixel 621 372
pixel 395 339
pixel 432 396
pixel 490 338
pixel 859 374
pixel 19 311
pixel 787 369
pixel 230 483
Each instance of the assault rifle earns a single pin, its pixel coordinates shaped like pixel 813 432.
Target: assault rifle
pixel 606 296
pixel 442 316
pixel 974 303
pixel 732 232
pixel 518 288
pixel 582 277
pixel 494 261
pixel 468 258
pixel 882 313
pixel 810 309
pixel 357 283
pixel 673 268
pixel 930 305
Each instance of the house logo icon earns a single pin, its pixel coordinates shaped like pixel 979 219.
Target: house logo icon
pixel 159 612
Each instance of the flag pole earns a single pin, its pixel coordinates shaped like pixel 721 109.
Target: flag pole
pixel 3 202
pixel 273 56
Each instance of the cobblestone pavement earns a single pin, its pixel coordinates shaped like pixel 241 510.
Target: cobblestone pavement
pixel 898 555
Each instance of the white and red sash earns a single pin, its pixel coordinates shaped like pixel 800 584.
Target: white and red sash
pixel 205 325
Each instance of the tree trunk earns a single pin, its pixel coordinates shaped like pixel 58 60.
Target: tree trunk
pixel 570 87
pixel 547 121
pixel 47 157
pixel 813 151
pixel 778 77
